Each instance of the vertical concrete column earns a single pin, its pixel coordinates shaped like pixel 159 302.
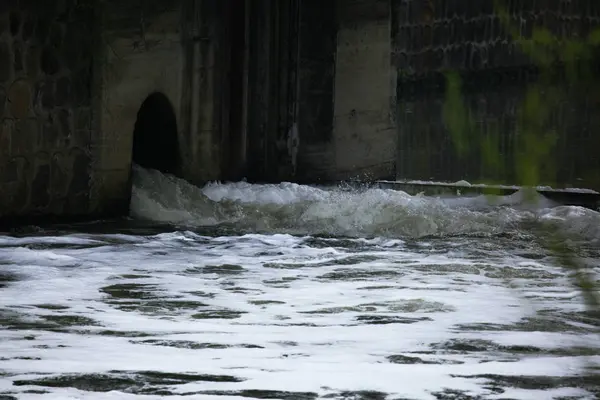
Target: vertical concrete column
pixel 204 91
pixel 314 141
pixel 272 88
pixel 137 51
pixel 365 90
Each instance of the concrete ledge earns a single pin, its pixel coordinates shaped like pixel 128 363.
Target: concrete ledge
pixel 573 197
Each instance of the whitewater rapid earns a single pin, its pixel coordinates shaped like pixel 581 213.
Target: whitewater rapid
pixel 240 291
pixel 300 209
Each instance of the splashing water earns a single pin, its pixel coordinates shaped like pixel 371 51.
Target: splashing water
pixel 298 209
pixel 240 291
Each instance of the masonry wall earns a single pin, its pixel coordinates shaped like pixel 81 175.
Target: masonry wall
pixel 45 107
pixel 431 38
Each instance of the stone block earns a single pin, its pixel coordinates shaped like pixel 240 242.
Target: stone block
pixel 44 97
pixel 80 182
pixel 19 98
pixel 40 185
pixel 18 56
pixel 42 28
pixel 15 175
pixel 55 38
pixel 49 61
pixel 6 62
pixel 49 137
pixel 80 87
pixel 65 122
pixel 63 91
pixel 15 23
pixel 60 172
pixel 28 28
pixel 24 133
pixel 2 102
pixel 83 119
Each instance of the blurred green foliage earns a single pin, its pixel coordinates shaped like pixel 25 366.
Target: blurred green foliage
pixel 536 136
pixel 572 59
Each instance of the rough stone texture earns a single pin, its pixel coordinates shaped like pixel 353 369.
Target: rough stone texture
pixel 432 37
pixel 138 52
pixel 44 161
pixel 271 90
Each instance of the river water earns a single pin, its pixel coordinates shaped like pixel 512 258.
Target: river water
pixel 239 291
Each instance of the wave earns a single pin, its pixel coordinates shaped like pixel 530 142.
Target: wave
pixel 301 209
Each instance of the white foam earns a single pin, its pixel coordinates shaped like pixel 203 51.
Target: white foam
pixel 304 302
pixel 304 320
pixel 289 207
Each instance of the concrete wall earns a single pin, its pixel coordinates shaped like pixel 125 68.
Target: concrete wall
pixel 347 127
pixel 432 37
pixel 270 90
pixel 73 77
pixel 139 53
pixel 45 107
pixel 364 112
pixel 174 47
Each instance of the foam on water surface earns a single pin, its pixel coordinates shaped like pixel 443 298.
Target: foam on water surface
pixel 293 292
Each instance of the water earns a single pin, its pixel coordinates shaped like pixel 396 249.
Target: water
pixel 241 291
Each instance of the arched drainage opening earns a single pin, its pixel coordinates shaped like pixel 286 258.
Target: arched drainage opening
pixel 155 143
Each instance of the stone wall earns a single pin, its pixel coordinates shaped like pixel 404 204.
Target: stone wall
pixel 45 107
pixel 434 37
pixel 299 90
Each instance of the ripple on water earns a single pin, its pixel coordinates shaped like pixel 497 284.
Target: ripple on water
pixel 278 316
pixel 187 344
pixel 224 269
pixel 142 382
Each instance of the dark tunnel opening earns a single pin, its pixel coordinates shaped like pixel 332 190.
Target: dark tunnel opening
pixel 155 142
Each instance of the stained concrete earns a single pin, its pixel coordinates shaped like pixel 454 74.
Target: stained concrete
pixel 268 90
pixel 45 107
pixel 138 53
pixel 431 38
pixel 365 84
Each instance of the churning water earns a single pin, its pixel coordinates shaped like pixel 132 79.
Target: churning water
pixel 239 291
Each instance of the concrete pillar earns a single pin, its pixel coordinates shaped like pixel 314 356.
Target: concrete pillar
pixel 272 88
pixel 137 52
pixel 365 91
pixel 204 94
pixel 317 50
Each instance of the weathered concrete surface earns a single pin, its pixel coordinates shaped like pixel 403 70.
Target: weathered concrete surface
pixel 139 53
pixel 315 157
pixel 269 90
pixel 432 37
pixel 45 107
pixel 365 84
pixel 573 197
pixel 73 77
